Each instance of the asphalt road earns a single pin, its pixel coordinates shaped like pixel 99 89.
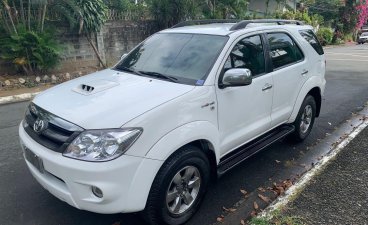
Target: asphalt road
pixel 24 201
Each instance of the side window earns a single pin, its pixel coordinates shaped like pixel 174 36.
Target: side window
pixel 247 53
pixel 283 50
pixel 309 36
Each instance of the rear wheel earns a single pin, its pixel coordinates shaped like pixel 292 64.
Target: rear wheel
pixel 178 188
pixel 305 119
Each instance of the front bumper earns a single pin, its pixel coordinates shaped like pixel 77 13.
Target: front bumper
pixel 125 181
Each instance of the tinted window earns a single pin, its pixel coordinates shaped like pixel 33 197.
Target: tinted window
pixel 283 50
pixel 187 57
pixel 309 36
pixel 247 53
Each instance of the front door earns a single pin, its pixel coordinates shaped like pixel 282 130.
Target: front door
pixel 245 112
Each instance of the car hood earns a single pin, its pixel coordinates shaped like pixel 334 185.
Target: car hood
pixel 108 99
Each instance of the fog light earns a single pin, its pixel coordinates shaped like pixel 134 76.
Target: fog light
pixel 97 192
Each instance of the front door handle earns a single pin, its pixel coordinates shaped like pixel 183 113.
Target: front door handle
pixel 305 72
pixel 266 87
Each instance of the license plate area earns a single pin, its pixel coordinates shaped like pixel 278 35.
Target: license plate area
pixel 34 159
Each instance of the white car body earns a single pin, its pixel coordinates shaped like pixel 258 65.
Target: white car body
pixel 363 38
pixel 171 115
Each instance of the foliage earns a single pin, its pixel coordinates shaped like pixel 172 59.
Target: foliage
pixel 170 12
pixel 277 218
pixel 348 37
pixel 362 9
pixel 325 35
pixel 121 5
pixel 88 16
pixel 328 9
pixel 24 40
pixel 315 20
pixel 228 9
pixel 349 16
pixel 30 51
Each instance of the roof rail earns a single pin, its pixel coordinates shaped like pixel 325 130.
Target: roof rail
pixel 202 22
pixel 243 24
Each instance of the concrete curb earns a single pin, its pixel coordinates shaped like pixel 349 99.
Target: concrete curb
pixel 17 98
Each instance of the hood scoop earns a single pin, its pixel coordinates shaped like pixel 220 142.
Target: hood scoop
pixel 94 86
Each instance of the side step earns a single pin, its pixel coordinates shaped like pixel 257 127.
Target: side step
pixel 237 156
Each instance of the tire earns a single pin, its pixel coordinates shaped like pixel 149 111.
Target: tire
pixel 305 119
pixel 171 178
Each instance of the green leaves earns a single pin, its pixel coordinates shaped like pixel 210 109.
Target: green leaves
pixel 30 51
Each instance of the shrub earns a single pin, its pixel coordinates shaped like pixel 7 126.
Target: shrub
pixel 30 51
pixel 325 35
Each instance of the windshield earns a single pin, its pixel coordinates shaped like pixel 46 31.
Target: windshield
pixel 365 34
pixel 185 58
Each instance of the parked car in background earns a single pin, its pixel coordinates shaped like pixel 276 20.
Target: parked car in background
pixel 186 105
pixel 363 38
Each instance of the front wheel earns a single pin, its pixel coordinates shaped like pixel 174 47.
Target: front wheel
pixel 178 188
pixel 305 119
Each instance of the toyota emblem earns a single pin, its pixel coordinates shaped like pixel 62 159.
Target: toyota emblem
pixel 39 125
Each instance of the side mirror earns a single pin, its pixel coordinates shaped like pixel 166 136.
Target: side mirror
pixel 236 78
pixel 123 56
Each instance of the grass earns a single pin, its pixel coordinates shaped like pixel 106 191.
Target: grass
pixel 278 219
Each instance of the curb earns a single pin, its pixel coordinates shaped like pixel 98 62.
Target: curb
pixel 17 98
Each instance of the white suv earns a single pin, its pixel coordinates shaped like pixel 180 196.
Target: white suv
pixel 184 106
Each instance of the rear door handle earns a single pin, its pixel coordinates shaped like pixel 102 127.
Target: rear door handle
pixel 266 87
pixel 305 72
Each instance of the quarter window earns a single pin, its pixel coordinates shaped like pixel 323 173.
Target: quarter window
pixel 309 36
pixel 283 50
pixel 247 53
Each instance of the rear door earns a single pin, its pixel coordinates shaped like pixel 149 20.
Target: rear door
pixel 290 71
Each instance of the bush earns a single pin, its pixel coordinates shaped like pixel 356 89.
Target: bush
pixel 325 35
pixel 30 51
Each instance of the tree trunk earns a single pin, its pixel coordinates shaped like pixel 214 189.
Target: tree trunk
pixel 7 7
pixel 29 15
pixel 22 12
pixel 39 17
pixel 95 50
pixel 16 13
pixel 43 16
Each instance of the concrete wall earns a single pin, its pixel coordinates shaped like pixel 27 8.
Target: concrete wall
pixel 122 36
pixel 115 39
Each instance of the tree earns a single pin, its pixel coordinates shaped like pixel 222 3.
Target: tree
pixel 88 16
pixel 362 9
pixel 328 9
pixel 170 12
pixel 229 9
pixel 24 42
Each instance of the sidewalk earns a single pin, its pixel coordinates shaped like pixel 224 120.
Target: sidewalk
pixel 339 195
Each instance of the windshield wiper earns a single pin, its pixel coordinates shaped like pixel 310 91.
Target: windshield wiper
pixel 127 69
pixel 159 75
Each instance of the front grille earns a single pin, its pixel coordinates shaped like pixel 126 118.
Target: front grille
pixel 55 134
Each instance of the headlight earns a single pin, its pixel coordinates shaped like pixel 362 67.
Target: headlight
pixel 102 145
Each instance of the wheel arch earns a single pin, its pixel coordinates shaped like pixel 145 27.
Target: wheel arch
pixel 208 148
pixel 315 87
pixel 316 94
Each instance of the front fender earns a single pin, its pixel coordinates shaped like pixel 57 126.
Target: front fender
pixel 180 136
pixel 311 83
